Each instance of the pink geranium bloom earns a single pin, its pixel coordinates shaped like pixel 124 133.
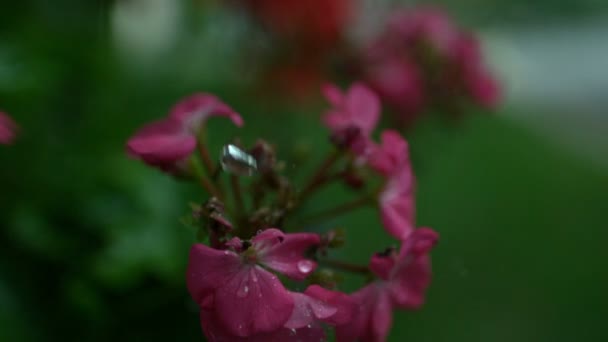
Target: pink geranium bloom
pixel 403 280
pixel 8 129
pixel 353 115
pixel 223 280
pixel 167 143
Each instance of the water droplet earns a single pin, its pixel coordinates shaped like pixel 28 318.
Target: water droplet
pixel 309 326
pixel 254 277
pixel 243 291
pixel 292 332
pixel 305 266
pixel 238 162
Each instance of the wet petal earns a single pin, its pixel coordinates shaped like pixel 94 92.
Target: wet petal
pixel 285 252
pixel 252 301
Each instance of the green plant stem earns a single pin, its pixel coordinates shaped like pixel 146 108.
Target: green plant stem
pixel 320 175
pixel 345 266
pixel 339 210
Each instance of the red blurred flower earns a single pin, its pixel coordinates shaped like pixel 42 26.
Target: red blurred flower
pixel 317 23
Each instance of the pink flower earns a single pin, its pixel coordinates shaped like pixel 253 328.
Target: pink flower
pixel 246 298
pixel 423 60
pixel 353 115
pixel 169 142
pixel 403 279
pixel 8 129
pixel 397 205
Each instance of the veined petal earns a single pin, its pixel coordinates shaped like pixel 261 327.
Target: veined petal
pixel 252 301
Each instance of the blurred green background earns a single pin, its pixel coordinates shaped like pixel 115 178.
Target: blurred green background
pixel 91 244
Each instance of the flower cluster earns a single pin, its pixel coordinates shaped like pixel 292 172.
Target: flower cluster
pixel 256 273
pixel 423 59
pixel 8 129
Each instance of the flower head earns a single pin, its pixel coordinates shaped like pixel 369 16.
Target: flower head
pixel 403 279
pixel 222 280
pixel 8 129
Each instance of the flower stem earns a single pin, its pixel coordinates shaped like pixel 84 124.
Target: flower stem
pixel 238 196
pixel 320 175
pixel 339 210
pixel 345 266
pixel 206 158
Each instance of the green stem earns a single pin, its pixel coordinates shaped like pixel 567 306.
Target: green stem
pixel 345 266
pixel 319 178
pixel 339 210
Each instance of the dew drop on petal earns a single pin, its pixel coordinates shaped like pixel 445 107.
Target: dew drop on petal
pixel 305 266
pixel 292 332
pixel 243 291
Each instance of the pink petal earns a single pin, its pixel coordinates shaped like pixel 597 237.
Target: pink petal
pixel 397 204
pixel 8 129
pixel 161 142
pixel 382 265
pixel 306 310
pixel 381 318
pixel 344 305
pixel 215 332
pixel 208 269
pixel 194 110
pixel 412 274
pixel 252 301
pixel 285 253
pixel 372 320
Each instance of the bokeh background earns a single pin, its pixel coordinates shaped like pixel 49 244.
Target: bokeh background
pixel 91 247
